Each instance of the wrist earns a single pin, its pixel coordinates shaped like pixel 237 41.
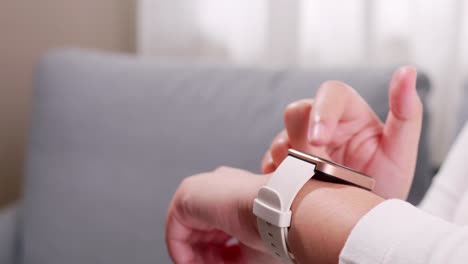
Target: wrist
pixel 323 215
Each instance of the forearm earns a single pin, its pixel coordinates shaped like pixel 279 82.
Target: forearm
pixel 323 216
pixel 342 224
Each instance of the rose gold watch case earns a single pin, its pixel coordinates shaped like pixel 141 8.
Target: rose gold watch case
pixel 336 170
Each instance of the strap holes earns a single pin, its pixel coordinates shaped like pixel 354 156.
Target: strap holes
pixel 273 245
pixel 278 254
pixel 270 234
pixel 268 224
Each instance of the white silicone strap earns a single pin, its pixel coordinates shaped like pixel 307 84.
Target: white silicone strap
pixel 273 203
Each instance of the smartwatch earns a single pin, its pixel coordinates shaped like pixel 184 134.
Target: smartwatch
pixel 274 200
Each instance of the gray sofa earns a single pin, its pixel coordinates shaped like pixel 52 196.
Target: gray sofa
pixel 112 136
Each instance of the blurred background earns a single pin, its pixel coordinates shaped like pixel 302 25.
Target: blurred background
pixel 29 29
pixel 431 34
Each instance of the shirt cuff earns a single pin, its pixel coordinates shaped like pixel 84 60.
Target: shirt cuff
pixel 394 232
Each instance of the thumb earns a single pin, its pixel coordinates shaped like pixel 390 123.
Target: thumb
pixel 403 126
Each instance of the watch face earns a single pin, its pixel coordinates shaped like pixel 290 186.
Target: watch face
pixel 335 170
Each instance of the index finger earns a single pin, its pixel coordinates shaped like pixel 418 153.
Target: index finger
pixel 336 102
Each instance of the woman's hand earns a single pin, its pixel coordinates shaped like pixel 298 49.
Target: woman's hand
pixel 207 211
pixel 339 125
pixel 210 209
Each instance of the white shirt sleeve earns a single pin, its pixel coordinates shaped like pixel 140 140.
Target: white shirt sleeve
pixel 451 183
pixel 398 233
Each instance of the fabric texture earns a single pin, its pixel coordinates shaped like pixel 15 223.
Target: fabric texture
pixel 395 232
pixel 446 197
pixel 112 137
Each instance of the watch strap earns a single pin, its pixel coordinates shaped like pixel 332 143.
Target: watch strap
pixel 274 200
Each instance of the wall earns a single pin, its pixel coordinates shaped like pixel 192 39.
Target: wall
pixel 27 30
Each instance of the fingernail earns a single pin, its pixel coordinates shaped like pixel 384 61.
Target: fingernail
pixel 398 76
pixel 403 73
pixel 414 74
pixel 315 131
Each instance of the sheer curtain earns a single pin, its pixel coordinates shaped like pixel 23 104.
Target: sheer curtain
pixel 431 34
